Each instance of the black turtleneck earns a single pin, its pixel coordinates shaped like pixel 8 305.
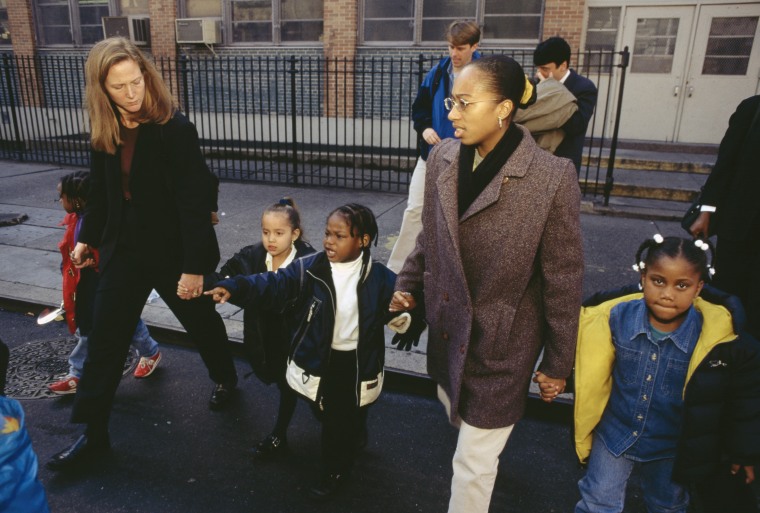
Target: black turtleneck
pixel 472 183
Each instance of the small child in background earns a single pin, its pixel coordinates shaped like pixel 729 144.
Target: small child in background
pixel 669 382
pixel 79 286
pixel 265 334
pixel 336 303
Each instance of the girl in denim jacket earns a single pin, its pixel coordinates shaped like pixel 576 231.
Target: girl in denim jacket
pixel 666 381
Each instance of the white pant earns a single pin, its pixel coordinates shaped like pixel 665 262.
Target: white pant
pixel 475 463
pixel 411 225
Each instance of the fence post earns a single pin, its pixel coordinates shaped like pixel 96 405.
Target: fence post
pixel 18 143
pixel 613 147
pixel 183 74
pixel 293 128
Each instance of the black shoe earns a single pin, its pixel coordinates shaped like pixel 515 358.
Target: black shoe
pixel 221 396
pixel 269 447
pixel 79 453
pixel 328 487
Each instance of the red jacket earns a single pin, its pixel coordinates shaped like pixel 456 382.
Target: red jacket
pixel 70 273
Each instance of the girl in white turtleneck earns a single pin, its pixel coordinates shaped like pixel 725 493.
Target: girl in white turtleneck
pixel 336 303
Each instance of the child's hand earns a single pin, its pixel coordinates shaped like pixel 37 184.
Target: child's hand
pixel 402 302
pixel 218 294
pixel 550 387
pixel 749 472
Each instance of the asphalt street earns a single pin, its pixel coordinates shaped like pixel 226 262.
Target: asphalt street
pixel 171 454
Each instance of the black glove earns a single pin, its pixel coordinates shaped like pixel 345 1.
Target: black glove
pixel 411 338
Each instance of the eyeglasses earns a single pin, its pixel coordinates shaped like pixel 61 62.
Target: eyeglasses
pixel 449 103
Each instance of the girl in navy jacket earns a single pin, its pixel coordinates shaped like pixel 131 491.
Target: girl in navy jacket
pixel 336 302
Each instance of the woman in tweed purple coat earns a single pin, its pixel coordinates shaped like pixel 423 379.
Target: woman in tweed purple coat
pixel 500 263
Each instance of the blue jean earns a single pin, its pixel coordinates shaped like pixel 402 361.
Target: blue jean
pixel 603 487
pixel 141 341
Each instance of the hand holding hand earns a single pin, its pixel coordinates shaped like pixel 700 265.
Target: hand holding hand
pixel 550 387
pixel 190 286
pixel 218 294
pixel 82 256
pixel 402 302
pixel 749 472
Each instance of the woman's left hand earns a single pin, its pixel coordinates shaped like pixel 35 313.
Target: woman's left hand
pixel 550 387
pixel 190 286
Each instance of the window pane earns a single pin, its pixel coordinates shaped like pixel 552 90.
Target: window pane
pixel 54 23
pixel 435 30
pixel 388 9
pixel 448 8
pixel 603 18
pixel 134 7
pixel 654 45
pixel 301 31
pixel 511 27
pixel 5 34
pixel 301 9
pixel 729 45
pixel 514 7
pixel 204 8
pixel 384 31
pixel 90 13
pixel 252 32
pixel 255 10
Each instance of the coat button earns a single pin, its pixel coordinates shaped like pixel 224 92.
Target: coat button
pixel 445 336
pixel 461 349
pixel 445 296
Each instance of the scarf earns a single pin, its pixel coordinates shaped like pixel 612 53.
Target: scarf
pixel 472 183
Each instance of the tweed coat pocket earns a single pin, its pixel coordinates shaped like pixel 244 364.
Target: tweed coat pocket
pixel 491 330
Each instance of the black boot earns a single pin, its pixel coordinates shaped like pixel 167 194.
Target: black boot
pixel 83 451
pixel 269 447
pixel 221 396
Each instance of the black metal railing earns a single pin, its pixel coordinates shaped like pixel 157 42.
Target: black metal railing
pixel 285 119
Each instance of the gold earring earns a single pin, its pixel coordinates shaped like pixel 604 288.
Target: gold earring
pixel 500 124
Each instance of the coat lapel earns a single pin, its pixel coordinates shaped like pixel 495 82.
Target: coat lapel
pixel 515 167
pixel 447 182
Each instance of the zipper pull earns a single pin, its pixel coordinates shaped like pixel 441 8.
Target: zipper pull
pixel 311 312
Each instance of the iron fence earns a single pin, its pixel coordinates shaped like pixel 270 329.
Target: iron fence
pixel 280 119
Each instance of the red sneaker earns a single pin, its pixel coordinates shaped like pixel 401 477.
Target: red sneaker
pixel 67 385
pixel 147 365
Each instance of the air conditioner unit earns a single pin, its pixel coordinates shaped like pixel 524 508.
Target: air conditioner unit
pixel 198 30
pixel 136 28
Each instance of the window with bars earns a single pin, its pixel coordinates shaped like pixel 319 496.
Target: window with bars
pixel 425 21
pixel 601 36
pixel 263 21
pixel 729 45
pixel 79 22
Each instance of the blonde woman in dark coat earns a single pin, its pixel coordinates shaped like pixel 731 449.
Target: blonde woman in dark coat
pixel 500 262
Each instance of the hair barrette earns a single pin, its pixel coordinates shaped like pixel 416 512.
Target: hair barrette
pixel 283 201
pixel 658 238
pixel 701 245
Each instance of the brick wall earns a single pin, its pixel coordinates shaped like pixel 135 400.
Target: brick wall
pixel 564 18
pixel 340 39
pixel 24 41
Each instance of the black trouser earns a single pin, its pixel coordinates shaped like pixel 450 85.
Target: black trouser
pixel 123 289
pixel 342 419
pixel 737 271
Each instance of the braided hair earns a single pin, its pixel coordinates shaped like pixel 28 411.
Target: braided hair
pixel 694 252
pixel 361 221
pixel 76 187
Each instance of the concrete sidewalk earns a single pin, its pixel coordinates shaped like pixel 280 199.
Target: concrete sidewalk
pixel 29 259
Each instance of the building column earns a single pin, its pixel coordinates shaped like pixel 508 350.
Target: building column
pixel 163 42
pixel 564 18
pixel 24 42
pixel 341 19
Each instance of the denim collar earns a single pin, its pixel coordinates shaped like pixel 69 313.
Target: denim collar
pixel 683 337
